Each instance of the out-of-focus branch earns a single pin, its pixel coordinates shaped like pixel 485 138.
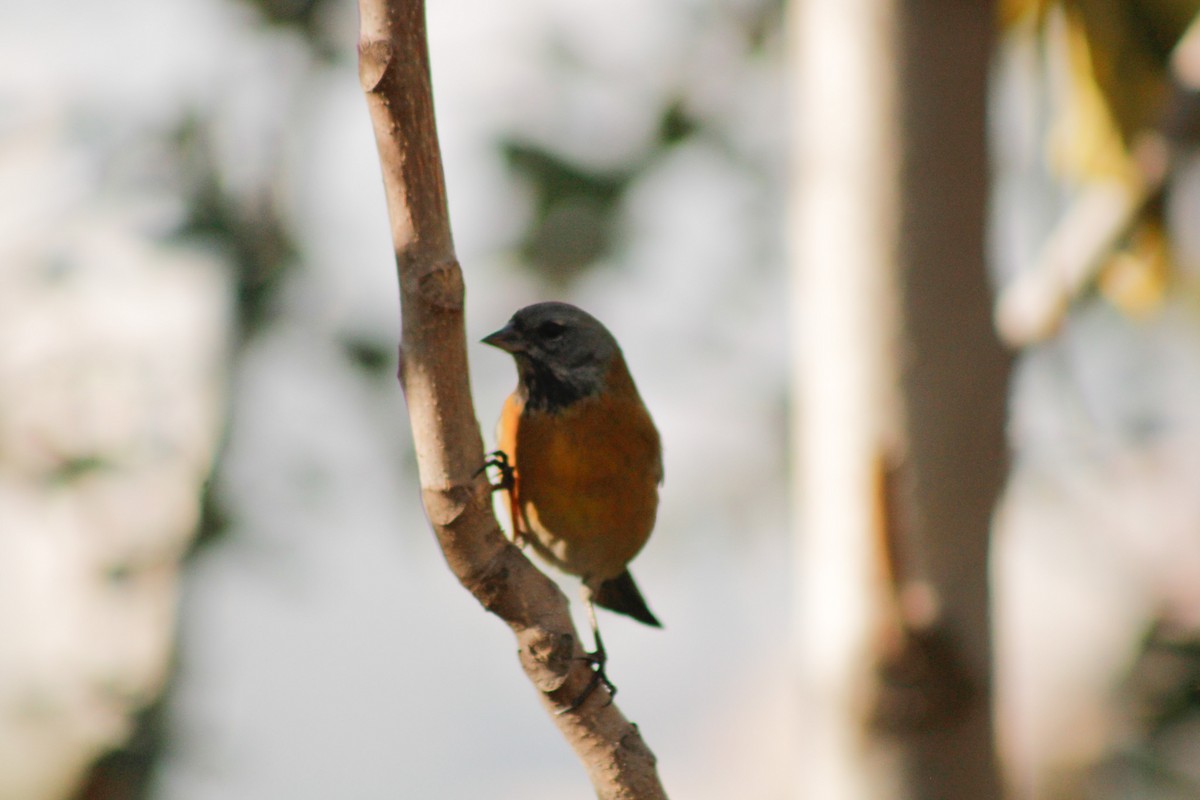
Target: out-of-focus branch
pixel 1032 307
pixel 394 72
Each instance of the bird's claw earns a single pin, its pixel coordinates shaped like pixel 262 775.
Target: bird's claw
pixel 508 479
pixel 596 662
pixel 499 460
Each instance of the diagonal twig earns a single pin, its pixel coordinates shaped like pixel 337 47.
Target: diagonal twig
pixel 394 73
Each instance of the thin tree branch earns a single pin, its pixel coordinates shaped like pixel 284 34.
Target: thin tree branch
pixel 394 72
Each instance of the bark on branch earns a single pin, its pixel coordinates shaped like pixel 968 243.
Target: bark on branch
pixel 394 72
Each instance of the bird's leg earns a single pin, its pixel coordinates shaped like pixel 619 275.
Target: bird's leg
pixel 508 480
pixel 596 659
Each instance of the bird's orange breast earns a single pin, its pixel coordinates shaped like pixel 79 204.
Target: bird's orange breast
pixel 586 477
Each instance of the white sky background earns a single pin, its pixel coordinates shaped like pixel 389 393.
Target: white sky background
pixel 326 651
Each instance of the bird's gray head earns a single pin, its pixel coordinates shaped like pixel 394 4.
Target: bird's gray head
pixel 563 353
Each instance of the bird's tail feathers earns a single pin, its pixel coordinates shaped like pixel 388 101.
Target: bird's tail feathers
pixel 621 594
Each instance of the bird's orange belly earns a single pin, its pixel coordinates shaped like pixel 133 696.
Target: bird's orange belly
pixel 586 499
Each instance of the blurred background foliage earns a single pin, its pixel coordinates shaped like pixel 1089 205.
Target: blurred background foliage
pixel 622 146
pixel 1094 131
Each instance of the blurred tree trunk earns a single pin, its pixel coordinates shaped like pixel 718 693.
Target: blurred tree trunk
pixel 954 384
pixel 901 389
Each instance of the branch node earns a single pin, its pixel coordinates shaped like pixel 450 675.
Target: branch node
pixel 491 583
pixel 374 58
pixel 546 657
pixel 634 746
pixel 445 505
pixel 440 284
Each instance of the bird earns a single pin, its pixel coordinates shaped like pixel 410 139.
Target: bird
pixel 580 459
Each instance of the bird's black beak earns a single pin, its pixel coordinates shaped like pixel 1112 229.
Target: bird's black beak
pixel 507 339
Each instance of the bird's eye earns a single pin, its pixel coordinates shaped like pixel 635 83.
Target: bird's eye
pixel 551 329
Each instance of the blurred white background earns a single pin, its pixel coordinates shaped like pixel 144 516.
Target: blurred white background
pixel 324 650
pixel 198 326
